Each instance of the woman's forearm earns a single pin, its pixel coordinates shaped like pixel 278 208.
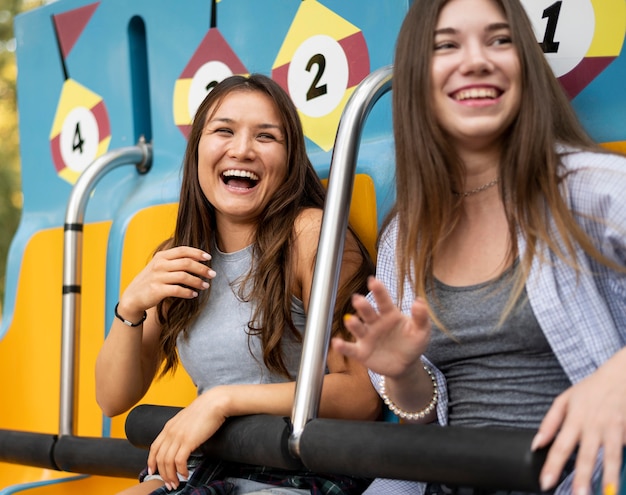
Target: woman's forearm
pixel 124 369
pixel 341 398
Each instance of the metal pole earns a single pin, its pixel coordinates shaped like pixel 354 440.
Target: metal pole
pixel 141 156
pixel 330 251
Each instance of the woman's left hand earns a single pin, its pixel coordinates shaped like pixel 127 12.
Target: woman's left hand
pixel 183 434
pixel 590 415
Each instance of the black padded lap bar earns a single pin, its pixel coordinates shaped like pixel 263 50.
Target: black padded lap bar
pixel 481 457
pixel 99 456
pixel 145 422
pixel 255 439
pixel 31 449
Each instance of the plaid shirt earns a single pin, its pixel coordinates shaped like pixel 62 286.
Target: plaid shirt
pixel 209 479
pixel 583 316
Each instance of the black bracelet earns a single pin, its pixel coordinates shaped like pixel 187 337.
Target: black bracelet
pixel 129 323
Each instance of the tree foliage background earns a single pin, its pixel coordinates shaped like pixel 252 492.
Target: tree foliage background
pixel 10 188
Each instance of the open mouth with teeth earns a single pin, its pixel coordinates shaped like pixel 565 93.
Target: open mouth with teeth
pixel 240 179
pixel 477 94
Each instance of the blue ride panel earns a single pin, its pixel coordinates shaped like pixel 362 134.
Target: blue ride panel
pixel 95 76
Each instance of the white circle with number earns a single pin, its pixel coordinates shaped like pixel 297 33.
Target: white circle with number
pixel 566 29
pixel 79 139
pixel 207 76
pixel 318 76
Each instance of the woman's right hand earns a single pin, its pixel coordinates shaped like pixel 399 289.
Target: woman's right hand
pixel 387 342
pixel 177 272
pixel 391 344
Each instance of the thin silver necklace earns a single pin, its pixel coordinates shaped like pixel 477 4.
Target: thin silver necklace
pixel 478 189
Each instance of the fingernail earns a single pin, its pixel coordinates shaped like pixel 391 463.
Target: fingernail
pixel 546 482
pixel 194 294
pixel 206 256
pixel 212 273
pixel 150 473
pixel 582 491
pixel 536 441
pixel 169 488
pixel 205 285
pixel 610 489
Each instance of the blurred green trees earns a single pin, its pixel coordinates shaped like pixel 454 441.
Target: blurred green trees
pixel 10 189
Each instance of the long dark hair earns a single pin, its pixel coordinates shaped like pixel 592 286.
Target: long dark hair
pixel 268 284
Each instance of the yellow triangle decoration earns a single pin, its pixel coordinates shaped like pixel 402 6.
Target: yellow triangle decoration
pixel 73 95
pixel 326 22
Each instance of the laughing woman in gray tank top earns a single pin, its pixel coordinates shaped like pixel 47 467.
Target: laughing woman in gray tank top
pixel 229 293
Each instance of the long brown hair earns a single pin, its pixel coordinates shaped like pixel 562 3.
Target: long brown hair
pixel 268 284
pixel 530 170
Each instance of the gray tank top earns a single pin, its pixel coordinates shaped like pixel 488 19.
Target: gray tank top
pixel 216 349
pixel 504 377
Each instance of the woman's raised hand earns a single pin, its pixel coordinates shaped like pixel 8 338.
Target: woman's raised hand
pixel 387 342
pixel 176 272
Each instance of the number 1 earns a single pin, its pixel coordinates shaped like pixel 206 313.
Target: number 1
pixel 548 45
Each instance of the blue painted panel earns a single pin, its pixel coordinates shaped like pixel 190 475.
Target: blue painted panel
pixel 101 60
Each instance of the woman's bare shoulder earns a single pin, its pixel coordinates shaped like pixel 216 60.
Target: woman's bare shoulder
pixel 308 222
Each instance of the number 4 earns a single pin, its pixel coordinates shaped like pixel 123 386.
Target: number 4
pixel 78 141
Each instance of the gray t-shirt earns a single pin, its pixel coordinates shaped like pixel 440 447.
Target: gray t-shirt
pixel 217 349
pixel 504 376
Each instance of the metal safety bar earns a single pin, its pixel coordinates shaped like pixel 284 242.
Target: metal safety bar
pixel 330 250
pixel 141 156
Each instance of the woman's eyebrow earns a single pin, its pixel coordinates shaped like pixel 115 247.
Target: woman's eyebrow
pixel 447 30
pixel 496 26
pixel 225 120
pixel 264 125
pixel 270 126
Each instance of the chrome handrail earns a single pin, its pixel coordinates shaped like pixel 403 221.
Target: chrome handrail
pixel 330 250
pixel 141 156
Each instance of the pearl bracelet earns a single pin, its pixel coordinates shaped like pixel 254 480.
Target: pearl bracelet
pixel 411 416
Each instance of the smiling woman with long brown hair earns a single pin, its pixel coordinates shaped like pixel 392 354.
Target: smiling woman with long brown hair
pixel 229 294
pixel 500 297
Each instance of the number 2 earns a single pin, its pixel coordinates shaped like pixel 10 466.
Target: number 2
pixel 315 90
